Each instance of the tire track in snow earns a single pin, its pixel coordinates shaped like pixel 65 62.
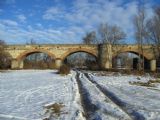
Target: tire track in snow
pixel 82 95
pixel 133 114
pixel 90 107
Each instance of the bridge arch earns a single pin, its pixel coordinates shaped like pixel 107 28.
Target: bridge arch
pixel 134 52
pixel 80 58
pixel 18 62
pixel 146 57
pixel 29 52
pixel 69 52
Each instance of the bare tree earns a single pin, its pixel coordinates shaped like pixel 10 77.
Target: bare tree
pixel 153 31
pixel 111 34
pixel 31 42
pixel 140 34
pixel 5 59
pixel 77 60
pixel 107 34
pixel 2 43
pixel 34 56
pixel 90 38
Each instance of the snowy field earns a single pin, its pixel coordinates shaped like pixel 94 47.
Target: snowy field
pixel 25 93
pixel 140 102
pixel 40 94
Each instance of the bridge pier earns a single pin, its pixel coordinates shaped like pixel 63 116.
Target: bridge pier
pixel 58 63
pixel 153 65
pixel 15 64
pixel 21 65
pixel 105 56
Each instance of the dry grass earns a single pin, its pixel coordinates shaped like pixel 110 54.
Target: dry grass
pixel 54 109
pixel 150 83
pixel 154 81
pixel 133 72
pixel 4 71
pixel 118 72
pixel 147 84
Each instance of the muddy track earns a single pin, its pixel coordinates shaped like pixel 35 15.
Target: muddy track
pixel 133 114
pixel 88 107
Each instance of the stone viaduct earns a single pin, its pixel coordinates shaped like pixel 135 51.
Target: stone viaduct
pixel 103 53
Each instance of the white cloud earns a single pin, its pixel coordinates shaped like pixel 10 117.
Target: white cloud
pixel 88 15
pixel 9 22
pixel 39 25
pixel 21 17
pixel 14 35
pixel 56 32
pixel 82 16
pixel 29 27
pixel 53 13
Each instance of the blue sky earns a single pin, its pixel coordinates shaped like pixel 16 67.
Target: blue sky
pixel 65 21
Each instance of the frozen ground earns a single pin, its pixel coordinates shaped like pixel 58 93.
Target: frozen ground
pixel 97 105
pixel 141 102
pixel 24 93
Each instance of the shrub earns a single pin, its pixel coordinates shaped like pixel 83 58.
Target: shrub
pixel 5 58
pixel 64 69
pixel 92 65
pixel 55 108
pixel 150 83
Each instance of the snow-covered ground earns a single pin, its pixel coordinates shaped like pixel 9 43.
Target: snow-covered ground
pixel 99 106
pixel 24 93
pixel 140 101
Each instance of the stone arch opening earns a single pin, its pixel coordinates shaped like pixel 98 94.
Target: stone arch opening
pixel 81 60
pixel 78 50
pixel 129 60
pixel 36 59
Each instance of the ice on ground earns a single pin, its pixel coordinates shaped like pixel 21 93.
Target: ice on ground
pixel 24 94
pixel 144 100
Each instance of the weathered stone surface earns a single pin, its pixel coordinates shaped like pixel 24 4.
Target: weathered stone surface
pixel 104 53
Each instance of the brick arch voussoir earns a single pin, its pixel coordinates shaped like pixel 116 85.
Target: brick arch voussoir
pixel 132 51
pixel 22 55
pixel 92 52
